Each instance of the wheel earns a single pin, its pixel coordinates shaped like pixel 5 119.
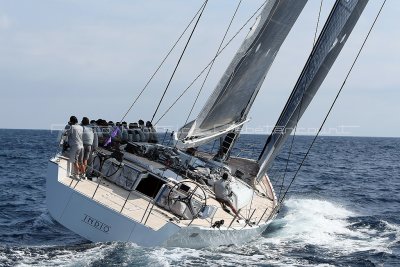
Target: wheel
pixel 191 194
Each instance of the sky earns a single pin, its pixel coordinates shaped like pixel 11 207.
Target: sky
pixel 92 57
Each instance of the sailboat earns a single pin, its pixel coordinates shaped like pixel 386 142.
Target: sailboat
pixel 163 194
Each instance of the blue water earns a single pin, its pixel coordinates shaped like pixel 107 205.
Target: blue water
pixel 343 210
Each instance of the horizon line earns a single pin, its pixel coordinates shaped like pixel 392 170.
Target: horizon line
pixel 266 134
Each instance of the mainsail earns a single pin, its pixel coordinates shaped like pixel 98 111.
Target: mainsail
pixel 229 104
pixel 334 35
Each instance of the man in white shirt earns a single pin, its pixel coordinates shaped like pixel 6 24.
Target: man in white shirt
pixel 223 192
pixel 88 140
pixel 74 134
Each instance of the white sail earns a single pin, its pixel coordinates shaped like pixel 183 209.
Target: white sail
pixel 334 35
pixel 229 104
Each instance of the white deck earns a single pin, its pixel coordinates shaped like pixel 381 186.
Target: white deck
pixel 139 207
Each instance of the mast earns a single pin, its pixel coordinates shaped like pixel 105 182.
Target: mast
pixel 228 106
pixel 339 25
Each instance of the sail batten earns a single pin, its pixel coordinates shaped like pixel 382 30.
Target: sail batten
pixel 229 104
pixel 340 23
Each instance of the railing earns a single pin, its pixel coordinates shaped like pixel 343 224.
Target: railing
pixel 144 214
pixel 141 215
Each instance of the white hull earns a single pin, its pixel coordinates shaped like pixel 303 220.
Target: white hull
pixel 99 223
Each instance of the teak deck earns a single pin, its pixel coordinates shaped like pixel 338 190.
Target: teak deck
pixel 140 208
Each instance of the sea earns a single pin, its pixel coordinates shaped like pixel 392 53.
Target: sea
pixel 343 209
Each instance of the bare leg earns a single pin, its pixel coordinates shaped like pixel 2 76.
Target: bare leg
pixel 233 208
pixel 225 203
pixel 81 168
pixel 76 168
pixel 84 166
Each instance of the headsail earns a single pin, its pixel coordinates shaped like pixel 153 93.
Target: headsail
pixel 228 106
pixel 337 29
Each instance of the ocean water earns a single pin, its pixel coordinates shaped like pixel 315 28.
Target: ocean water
pixel 342 210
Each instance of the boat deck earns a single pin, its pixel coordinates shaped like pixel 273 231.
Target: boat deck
pixel 141 208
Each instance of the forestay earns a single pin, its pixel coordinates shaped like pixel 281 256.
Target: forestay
pixel 229 104
pixel 334 35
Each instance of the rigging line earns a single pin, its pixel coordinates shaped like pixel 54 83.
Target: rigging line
pixel 316 28
pixel 162 63
pixel 301 104
pixel 232 75
pixel 212 62
pixel 251 204
pixel 287 163
pixel 275 171
pixel 179 61
pixel 204 69
pixel 334 101
pixel 264 185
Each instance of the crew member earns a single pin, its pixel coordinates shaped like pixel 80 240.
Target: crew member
pixel 87 139
pixel 223 192
pixel 74 134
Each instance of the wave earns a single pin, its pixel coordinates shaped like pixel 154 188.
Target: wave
pixel 54 256
pixel 328 225
pixel 309 232
pixel 220 256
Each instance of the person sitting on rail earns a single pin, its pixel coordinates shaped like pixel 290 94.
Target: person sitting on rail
pixel 135 133
pixel 96 133
pixel 118 131
pixel 100 124
pixel 110 128
pixel 152 133
pixel 106 129
pixel 145 131
pixel 124 132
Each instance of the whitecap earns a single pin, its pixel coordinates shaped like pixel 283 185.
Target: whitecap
pixel 326 225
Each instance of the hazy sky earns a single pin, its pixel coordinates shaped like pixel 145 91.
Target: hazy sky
pixel 91 58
